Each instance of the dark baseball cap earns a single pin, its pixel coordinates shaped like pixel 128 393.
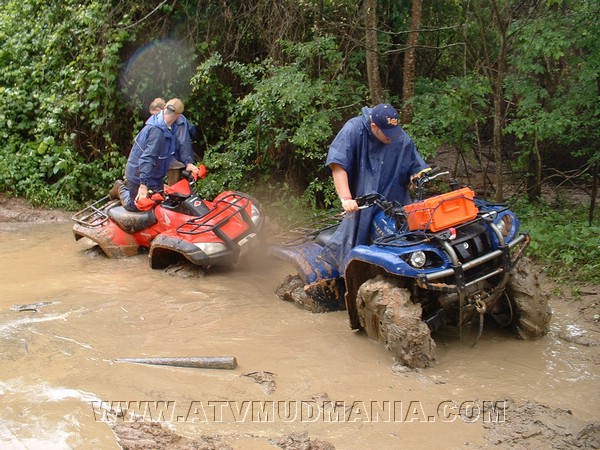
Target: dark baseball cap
pixel 386 118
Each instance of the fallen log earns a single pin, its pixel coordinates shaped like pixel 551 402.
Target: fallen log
pixel 197 362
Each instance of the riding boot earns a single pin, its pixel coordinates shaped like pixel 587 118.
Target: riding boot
pixel 114 193
pixel 127 200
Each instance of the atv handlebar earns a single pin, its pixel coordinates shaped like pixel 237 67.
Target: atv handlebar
pixel 368 200
pixel 419 181
pixel 424 177
pixel 393 209
pixel 193 176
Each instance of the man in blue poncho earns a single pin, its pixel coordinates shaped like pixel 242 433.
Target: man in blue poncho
pixel 149 159
pixel 371 153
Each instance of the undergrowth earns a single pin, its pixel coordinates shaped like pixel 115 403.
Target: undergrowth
pixel 563 240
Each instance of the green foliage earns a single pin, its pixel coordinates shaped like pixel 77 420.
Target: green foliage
pixel 54 175
pixel 555 104
pixel 59 99
pixel 448 112
pixel 280 128
pixel 562 239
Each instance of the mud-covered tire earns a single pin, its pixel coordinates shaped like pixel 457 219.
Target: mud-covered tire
pixel 388 315
pixel 292 290
pixel 529 310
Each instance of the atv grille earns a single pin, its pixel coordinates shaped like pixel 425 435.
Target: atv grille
pixel 472 242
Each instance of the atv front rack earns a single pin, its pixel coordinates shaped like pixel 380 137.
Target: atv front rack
pixel 213 221
pixel 95 215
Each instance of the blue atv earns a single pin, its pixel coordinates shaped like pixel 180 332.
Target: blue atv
pixel 450 259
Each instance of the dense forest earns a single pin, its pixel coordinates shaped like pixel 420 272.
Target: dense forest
pixel 510 86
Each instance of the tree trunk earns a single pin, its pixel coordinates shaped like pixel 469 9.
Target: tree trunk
pixel 498 88
pixel 595 177
pixel 534 176
pixel 497 139
pixel 372 52
pixel 408 82
pixel 594 193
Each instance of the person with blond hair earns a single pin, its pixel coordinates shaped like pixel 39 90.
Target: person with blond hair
pixel 153 148
pixel 156 105
pixel 185 133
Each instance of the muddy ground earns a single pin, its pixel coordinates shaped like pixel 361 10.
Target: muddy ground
pixel 530 424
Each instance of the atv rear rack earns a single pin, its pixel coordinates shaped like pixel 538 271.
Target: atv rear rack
pixel 234 203
pixel 95 214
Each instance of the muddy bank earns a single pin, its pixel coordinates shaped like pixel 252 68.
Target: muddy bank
pixel 529 425
pixel 19 210
pixel 153 436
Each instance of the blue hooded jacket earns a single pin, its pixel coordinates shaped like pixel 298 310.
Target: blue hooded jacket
pixel 185 132
pixel 151 153
pixel 372 166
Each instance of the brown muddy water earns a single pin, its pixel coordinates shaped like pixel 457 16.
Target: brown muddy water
pixel 61 387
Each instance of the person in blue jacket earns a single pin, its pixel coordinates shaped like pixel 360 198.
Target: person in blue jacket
pixel 186 132
pixel 150 156
pixel 371 153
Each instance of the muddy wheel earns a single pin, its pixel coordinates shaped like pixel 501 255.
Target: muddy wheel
pixel 524 309
pixel 389 316
pixel 319 297
pixel 292 290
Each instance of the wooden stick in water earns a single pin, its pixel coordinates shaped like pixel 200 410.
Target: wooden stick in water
pixel 198 362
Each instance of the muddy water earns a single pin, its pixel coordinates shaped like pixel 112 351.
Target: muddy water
pixel 61 386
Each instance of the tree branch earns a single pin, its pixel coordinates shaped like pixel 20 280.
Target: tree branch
pixel 143 18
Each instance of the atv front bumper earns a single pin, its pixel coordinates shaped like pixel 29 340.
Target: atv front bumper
pixel 510 254
pixel 165 249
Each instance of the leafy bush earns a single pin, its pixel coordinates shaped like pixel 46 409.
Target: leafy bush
pixel 60 100
pixel 279 130
pixel 562 240
pixel 448 112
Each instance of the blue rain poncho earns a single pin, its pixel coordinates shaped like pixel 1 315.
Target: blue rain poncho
pixel 152 150
pixel 372 166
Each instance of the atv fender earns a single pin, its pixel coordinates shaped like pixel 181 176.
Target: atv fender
pixel 114 242
pixel 322 282
pixel 308 260
pixel 168 246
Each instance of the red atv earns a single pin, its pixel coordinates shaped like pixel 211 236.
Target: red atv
pixel 177 224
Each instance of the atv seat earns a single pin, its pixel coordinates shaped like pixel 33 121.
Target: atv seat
pixel 132 222
pixel 324 237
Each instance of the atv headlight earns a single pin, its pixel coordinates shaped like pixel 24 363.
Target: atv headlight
pixel 255 214
pixel 417 259
pixel 211 248
pixel 505 225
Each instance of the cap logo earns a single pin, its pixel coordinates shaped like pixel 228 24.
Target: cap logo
pixel 392 121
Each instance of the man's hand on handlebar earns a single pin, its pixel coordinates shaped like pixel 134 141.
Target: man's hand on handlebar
pixel 349 205
pixel 192 168
pixel 415 178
